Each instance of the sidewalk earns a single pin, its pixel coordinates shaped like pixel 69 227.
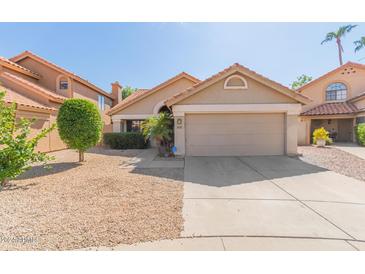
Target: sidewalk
pixel 352 148
pixel 241 244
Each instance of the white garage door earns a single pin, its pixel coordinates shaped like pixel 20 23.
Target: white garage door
pixel 234 134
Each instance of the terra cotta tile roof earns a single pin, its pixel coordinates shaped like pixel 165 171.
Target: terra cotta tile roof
pixel 11 63
pixel 45 92
pixel 67 72
pixel 331 109
pixel 141 93
pixel 15 97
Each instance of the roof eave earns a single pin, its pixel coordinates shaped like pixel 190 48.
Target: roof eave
pixel 233 69
pixel 177 77
pixel 28 54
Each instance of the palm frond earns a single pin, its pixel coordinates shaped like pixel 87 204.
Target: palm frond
pixel 359 44
pixel 329 37
pixel 344 29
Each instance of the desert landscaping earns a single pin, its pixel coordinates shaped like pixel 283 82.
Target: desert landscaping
pixel 96 203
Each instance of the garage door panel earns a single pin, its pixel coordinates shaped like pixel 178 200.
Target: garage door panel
pixel 239 128
pixel 234 134
pixel 233 139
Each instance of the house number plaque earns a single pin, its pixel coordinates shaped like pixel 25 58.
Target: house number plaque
pixel 179 123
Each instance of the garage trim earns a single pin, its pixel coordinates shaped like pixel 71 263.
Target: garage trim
pixel 290 109
pixel 291 112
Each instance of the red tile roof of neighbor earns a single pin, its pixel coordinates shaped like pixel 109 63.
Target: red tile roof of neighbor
pixel 14 97
pixel 6 61
pixel 26 54
pixel 45 92
pixel 331 109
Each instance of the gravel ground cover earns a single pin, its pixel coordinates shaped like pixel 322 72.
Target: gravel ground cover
pixel 92 204
pixel 334 159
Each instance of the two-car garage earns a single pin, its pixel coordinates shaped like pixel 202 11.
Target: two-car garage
pixel 229 134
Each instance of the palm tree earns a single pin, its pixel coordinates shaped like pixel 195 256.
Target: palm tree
pixel 360 44
pixel 159 128
pixel 338 35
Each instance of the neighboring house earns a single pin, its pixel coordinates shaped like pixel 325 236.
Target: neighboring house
pixel 234 112
pixel 338 103
pixel 39 87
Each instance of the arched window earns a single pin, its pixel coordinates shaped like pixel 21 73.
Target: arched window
pixel 235 82
pixel 336 92
pixel 62 84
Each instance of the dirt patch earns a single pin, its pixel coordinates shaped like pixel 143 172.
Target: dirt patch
pixel 334 159
pixel 96 203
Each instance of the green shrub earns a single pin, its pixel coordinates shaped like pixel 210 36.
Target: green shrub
pixel 79 124
pixel 125 140
pixel 17 147
pixel 160 128
pixel 360 134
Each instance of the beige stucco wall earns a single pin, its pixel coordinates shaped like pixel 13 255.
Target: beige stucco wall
pixel 303 131
pixel 48 75
pixel 354 81
pixel 291 137
pixel 255 94
pixel 146 105
pixel 361 103
pixel 83 92
pixel 52 141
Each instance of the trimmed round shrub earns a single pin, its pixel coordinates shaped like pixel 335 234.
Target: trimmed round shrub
pixel 79 125
pixel 360 134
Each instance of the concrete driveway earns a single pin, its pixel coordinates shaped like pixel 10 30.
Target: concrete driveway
pixel 272 202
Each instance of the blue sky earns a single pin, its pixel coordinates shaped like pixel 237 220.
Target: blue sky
pixel 145 54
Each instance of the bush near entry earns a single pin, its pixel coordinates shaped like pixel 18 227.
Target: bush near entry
pixel 360 134
pixel 125 140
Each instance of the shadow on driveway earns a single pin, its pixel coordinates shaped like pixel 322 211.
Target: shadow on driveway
pixel 168 173
pixel 227 171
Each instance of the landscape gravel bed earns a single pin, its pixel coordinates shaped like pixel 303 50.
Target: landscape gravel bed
pixel 334 159
pixel 96 203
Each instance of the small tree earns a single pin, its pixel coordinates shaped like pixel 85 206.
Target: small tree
pixel 301 81
pixel 160 128
pixel 79 124
pixel 16 148
pixel 126 91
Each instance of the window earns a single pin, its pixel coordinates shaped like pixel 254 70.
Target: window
pixel 235 82
pixel 336 92
pixel 360 120
pixel 101 102
pixel 63 84
pixel 134 125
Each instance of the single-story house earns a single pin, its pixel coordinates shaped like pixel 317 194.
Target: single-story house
pixel 338 104
pixel 234 112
